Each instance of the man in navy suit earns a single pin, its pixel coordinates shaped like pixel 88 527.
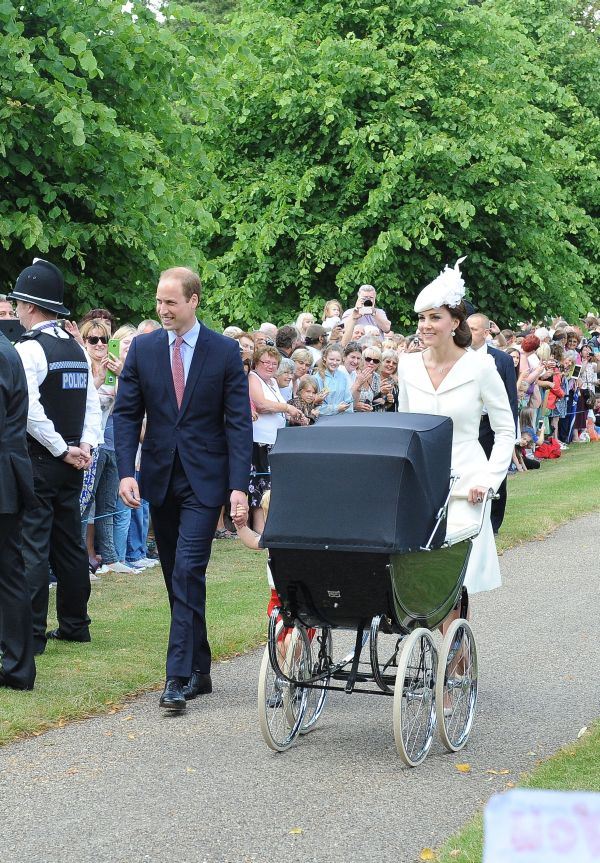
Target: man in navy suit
pixel 189 382
pixel 17 665
pixel 480 332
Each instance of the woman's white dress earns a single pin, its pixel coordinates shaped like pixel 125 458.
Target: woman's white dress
pixel 471 385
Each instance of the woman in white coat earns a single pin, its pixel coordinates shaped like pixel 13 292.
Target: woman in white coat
pixel 448 379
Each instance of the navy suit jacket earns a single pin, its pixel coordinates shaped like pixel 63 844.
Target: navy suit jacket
pixel 212 432
pixel 506 370
pixel 16 485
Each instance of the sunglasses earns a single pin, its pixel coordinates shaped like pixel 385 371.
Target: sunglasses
pixel 371 360
pixel 93 340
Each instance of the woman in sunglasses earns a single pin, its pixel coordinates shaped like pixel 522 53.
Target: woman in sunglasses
pixel 95 335
pixel 363 398
pixel 99 533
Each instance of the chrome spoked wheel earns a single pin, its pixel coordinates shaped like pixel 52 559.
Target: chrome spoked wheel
pixel 321 648
pixel 414 697
pixel 282 705
pixel 456 685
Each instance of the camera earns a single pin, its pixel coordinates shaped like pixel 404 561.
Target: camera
pixel 368 303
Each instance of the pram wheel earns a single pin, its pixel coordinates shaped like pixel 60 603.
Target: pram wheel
pixel 414 697
pixel 383 651
pixel 321 648
pixel 456 685
pixel 281 705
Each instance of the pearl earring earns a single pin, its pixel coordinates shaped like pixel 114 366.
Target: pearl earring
pixel 453 333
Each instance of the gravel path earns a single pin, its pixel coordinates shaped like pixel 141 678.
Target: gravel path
pixel 139 786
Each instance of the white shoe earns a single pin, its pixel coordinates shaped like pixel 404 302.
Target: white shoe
pixel 122 567
pixel 138 565
pixel 104 569
pixel 148 562
pixel 94 577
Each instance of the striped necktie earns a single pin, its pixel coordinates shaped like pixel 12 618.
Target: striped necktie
pixel 178 372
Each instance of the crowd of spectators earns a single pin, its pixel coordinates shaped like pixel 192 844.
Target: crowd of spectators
pixel 303 371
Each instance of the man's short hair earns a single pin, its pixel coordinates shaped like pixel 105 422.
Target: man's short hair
pixel 148 323
pixel 483 319
pixel 366 288
pixel 314 333
pixel 286 337
pixel 188 279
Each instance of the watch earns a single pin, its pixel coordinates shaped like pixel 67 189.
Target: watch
pixel 63 455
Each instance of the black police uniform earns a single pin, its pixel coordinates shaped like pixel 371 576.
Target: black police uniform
pixel 52 530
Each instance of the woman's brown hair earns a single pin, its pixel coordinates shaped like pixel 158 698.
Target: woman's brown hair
pixel 462 333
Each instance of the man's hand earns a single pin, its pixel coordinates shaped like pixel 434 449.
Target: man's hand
pixel 76 458
pixel 129 492
pixel 239 507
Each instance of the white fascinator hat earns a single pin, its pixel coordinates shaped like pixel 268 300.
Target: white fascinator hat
pixel 447 290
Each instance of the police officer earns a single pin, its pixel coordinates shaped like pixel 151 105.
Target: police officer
pixel 17 666
pixel 63 425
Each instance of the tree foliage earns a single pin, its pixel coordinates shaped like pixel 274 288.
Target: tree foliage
pixel 103 167
pixel 373 141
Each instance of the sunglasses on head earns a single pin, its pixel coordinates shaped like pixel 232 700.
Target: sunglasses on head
pixel 372 360
pixel 93 340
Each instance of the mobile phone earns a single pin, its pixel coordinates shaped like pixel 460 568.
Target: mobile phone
pixel 576 371
pixel 114 350
pixel 541 425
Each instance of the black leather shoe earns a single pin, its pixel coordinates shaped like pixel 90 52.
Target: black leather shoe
pixel 173 697
pixel 56 635
pixel 198 684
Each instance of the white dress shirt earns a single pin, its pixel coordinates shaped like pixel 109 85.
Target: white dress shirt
pixel 36 369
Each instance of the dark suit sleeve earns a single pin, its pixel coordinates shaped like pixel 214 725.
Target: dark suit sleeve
pixel 128 414
pixel 238 420
pixel 506 370
pixel 510 383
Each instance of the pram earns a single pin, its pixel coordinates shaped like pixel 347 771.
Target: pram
pixel 356 534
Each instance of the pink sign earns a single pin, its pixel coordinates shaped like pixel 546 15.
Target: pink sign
pixel 529 826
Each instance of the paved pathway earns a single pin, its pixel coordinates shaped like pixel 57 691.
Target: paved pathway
pixel 138 786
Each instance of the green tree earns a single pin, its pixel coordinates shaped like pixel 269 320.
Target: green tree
pixel 377 141
pixel 103 168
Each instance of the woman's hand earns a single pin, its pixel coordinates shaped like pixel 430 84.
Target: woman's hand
pixel 320 397
pixel 343 406
pixel 114 364
pixel 477 494
pixel 363 406
pixel 296 415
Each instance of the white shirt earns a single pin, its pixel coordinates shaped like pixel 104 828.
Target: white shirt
pixel 36 369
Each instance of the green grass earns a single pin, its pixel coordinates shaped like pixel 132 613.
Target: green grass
pixel 130 613
pixel 130 621
pixel 574 768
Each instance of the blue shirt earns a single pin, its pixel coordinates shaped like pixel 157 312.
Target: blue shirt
pixel 338 385
pixel 187 346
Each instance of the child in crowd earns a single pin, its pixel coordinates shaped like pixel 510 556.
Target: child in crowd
pixel 305 399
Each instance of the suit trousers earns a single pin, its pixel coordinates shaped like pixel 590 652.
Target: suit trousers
pixel 16 633
pixel 52 535
pixel 486 439
pixel 184 530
